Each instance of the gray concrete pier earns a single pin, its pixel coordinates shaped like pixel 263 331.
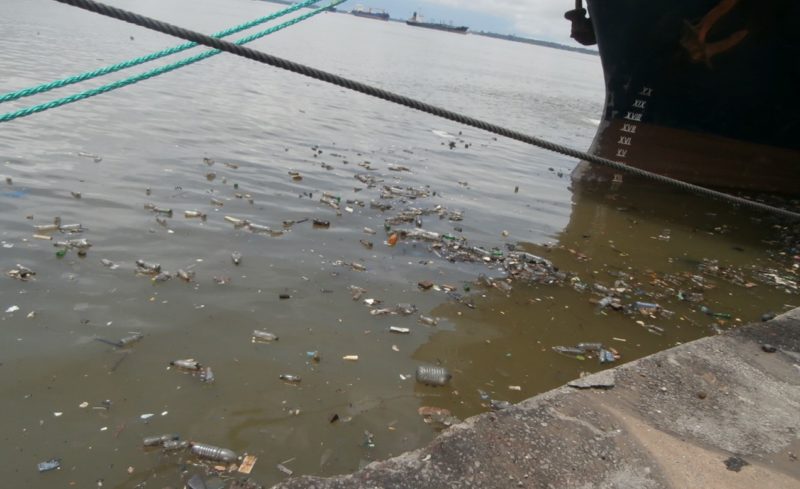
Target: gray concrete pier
pixel 720 412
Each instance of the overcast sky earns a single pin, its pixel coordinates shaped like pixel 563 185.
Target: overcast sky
pixel 540 19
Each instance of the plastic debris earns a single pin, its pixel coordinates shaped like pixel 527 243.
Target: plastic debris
pixel 12 309
pixel 236 257
pixel 428 321
pixel 48 465
pixel 499 405
pixel 206 375
pixel 264 336
pixel 210 452
pixel 433 376
pixel 159 440
pixel 439 418
pixel 186 364
pixel 21 273
pixel 369 439
pixel 398 330
pixel 146 268
pixel 291 379
pixel 185 275
pixel 174 445
pixel 109 264
pixel 284 469
pixel 195 215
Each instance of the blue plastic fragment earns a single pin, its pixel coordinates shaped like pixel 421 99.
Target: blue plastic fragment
pixel 606 356
pixel 48 465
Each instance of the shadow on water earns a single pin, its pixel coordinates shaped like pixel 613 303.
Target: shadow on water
pixel 708 265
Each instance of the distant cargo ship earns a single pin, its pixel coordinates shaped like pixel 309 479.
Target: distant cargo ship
pixel 416 21
pixel 700 90
pixel 378 14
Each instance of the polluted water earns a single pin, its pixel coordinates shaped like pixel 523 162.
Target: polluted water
pixel 490 276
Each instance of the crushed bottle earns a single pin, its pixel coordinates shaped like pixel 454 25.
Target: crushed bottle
pixel 147 268
pixel 48 465
pixel 206 375
pixel 21 273
pixel 434 376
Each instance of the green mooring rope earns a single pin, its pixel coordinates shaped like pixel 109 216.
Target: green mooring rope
pixel 45 87
pixel 157 71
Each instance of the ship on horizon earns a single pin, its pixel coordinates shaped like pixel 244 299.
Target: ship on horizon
pixel 377 14
pixel 417 21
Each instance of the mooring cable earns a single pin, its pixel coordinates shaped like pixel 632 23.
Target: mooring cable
pixel 26 111
pixel 45 87
pixel 278 62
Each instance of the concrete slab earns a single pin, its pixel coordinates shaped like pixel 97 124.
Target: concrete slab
pixel 669 420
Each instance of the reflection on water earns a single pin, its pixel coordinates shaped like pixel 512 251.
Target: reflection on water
pixel 67 395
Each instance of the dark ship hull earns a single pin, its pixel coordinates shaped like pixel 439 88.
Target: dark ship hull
pixel 701 90
pixel 371 15
pixel 439 27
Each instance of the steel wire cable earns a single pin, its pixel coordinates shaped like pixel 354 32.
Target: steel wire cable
pixel 308 71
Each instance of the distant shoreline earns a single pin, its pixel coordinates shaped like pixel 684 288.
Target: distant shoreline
pixel 505 37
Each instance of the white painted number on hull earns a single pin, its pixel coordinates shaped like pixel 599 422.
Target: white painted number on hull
pixel 634 116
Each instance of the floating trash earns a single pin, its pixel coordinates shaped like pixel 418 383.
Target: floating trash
pixel 217 454
pixel 434 376
pixel 264 336
pixel 157 441
pixel 48 465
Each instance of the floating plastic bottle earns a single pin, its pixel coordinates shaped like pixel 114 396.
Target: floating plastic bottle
pixel 206 375
pixel 156 441
pixel 292 379
pixel 264 336
pixel 187 363
pixel 569 350
pixel 194 214
pixel 435 376
pixel 211 452
pixel 428 321
pixel 130 339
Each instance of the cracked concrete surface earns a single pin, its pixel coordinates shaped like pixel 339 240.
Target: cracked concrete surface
pixel 670 421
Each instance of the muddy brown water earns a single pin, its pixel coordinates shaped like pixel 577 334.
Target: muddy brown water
pixel 264 124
